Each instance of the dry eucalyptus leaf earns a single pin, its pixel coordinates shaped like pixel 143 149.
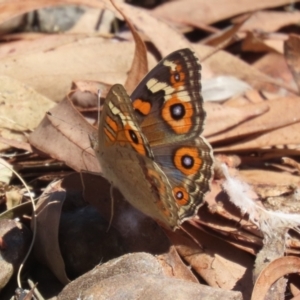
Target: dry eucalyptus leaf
pixel 221 88
pixel 27 44
pixel 269 20
pixel 286 139
pixel 19 111
pixel 198 12
pixel 277 116
pixel 217 117
pixel 226 36
pixel 85 59
pixel 268 177
pixel 292 56
pixel 224 63
pixel 274 65
pixel 67 134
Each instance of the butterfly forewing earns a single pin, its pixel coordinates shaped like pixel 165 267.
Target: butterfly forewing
pixel 168 101
pixel 127 160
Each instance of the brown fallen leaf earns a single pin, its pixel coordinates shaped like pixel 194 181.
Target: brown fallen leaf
pixel 268 20
pixel 223 63
pixel 258 42
pixel 196 12
pixel 291 53
pixel 29 43
pixel 275 118
pixel 274 65
pixel 138 275
pixel 285 139
pixel 218 263
pixel 226 36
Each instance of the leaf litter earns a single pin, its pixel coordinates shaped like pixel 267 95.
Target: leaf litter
pixel 249 226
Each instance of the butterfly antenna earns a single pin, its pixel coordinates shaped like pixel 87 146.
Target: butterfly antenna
pixel 111 191
pixel 99 96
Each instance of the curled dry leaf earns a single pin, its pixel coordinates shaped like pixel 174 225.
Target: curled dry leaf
pixel 67 134
pixel 139 65
pixel 85 94
pixel 272 272
pixel 168 39
pixel 46 246
pixel 15 240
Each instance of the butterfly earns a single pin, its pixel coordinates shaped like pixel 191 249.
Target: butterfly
pixel 149 143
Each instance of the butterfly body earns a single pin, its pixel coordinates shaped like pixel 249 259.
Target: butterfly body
pixel 149 144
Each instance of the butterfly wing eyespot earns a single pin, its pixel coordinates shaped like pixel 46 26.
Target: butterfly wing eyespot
pixel 178 115
pixel 187 160
pixel 177 76
pixel 135 139
pixel 181 195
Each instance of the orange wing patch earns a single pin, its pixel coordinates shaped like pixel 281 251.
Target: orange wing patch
pixel 110 128
pixel 143 107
